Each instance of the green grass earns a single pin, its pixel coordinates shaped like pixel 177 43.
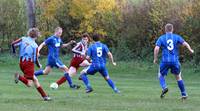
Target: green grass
pixel 137 81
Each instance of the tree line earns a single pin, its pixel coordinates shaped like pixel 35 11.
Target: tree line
pixel 129 27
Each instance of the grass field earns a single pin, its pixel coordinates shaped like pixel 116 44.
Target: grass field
pixel 137 81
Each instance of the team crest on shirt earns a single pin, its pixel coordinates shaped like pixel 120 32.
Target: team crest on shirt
pixel 57 45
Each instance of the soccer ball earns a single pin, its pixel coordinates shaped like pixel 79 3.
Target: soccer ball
pixel 54 86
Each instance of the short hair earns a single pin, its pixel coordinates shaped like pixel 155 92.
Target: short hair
pixel 33 32
pixel 96 37
pixel 57 29
pixel 85 35
pixel 169 27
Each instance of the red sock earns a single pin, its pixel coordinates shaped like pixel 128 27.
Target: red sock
pixel 23 79
pixel 61 80
pixel 41 91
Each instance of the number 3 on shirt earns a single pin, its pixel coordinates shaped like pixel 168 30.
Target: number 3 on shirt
pixel 170 44
pixel 99 51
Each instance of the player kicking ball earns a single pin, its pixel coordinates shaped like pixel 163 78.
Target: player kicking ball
pixel 169 43
pixel 98 52
pixel 77 61
pixel 28 56
pixel 54 43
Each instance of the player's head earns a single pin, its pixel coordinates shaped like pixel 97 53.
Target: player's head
pixel 58 31
pixel 96 37
pixel 33 32
pixel 85 38
pixel 169 28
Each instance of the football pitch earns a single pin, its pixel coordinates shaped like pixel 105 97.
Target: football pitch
pixel 137 82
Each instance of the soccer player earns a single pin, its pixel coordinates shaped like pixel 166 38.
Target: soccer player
pixel 28 56
pixel 78 59
pixel 98 52
pixel 54 43
pixel 169 43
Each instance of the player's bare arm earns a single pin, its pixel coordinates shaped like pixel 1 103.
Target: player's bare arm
pixel 111 58
pixel 14 44
pixel 37 60
pixel 156 51
pixel 188 47
pixel 40 47
pixel 69 43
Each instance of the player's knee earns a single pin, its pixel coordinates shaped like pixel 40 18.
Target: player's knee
pixel 29 84
pixel 178 77
pixel 72 71
pixel 106 78
pixel 46 72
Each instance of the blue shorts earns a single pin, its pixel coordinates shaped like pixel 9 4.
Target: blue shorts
pixel 175 68
pixel 93 68
pixel 55 63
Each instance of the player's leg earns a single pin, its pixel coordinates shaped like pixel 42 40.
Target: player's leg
pixel 22 79
pixel 72 71
pixel 89 70
pixel 46 71
pixel 104 73
pixel 27 68
pixel 64 68
pixel 85 63
pixel 163 70
pixel 176 71
pixel 40 89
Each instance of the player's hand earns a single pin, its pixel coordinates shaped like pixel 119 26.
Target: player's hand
pixel 155 61
pixel 40 66
pixel 192 51
pixel 114 63
pixel 72 42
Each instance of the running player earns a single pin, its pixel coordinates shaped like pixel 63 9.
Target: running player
pixel 169 43
pixel 54 43
pixel 78 59
pixel 28 56
pixel 98 52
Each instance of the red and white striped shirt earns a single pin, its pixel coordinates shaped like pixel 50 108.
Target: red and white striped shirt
pixel 79 50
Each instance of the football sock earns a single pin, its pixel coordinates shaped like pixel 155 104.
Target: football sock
pixel 39 72
pixel 181 87
pixel 68 78
pixel 23 79
pixel 85 80
pixel 41 91
pixel 61 80
pixel 111 84
pixel 162 82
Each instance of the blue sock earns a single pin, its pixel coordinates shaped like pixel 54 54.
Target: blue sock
pixel 39 72
pixel 182 87
pixel 162 82
pixel 68 79
pixel 111 84
pixel 85 80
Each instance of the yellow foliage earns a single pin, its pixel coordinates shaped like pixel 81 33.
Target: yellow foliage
pixel 106 5
pixel 87 11
pixel 51 6
pixel 80 8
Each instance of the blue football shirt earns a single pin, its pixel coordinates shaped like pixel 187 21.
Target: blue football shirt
pixel 53 43
pixel 169 44
pixel 98 53
pixel 28 49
